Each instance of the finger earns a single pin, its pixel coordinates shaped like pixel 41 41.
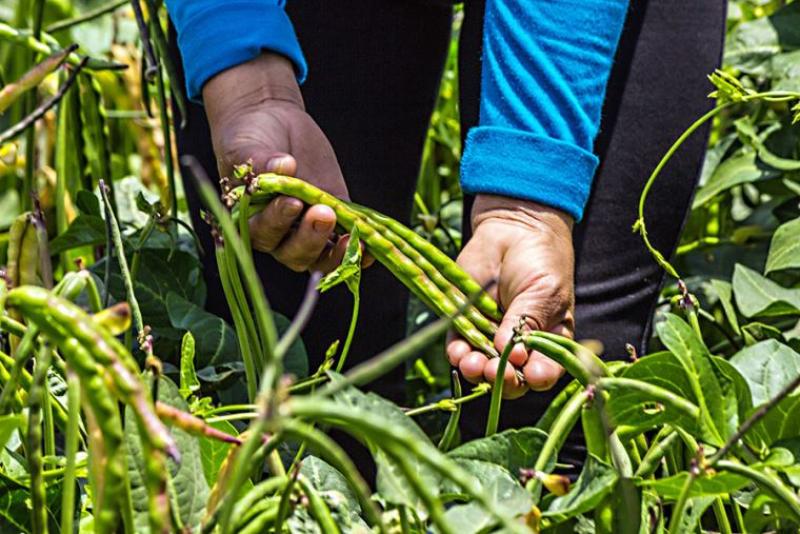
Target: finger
pixel 281 164
pixel 471 367
pixel 457 348
pixel 541 373
pixel 519 354
pixel 270 226
pixel 512 387
pixel 301 249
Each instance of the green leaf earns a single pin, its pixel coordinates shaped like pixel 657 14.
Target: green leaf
pixel 84 230
pixel 191 490
pixel 295 362
pixel 780 423
pixel 334 489
pixel 15 512
pixel 188 377
pixel 390 482
pixel 597 480
pixel 88 203
pixel 750 45
pixel 512 449
pixel 721 483
pixel 506 495
pixel 736 170
pixel 759 296
pixel 215 339
pixel 784 249
pixel 724 292
pixel 213 452
pixel 701 373
pixel 767 367
pixel 349 271
pixel 8 424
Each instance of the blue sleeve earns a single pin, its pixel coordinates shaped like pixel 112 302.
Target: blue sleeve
pixel 214 35
pixel 545 68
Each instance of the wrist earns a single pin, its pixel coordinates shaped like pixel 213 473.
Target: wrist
pixel 267 78
pixel 525 213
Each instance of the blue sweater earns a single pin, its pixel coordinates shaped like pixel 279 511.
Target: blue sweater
pixel 545 68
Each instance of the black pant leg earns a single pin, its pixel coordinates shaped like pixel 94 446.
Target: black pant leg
pixel 657 88
pixel 374 71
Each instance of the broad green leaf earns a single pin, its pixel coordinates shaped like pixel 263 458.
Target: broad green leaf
pixel 767 367
pixel 765 510
pixel 693 513
pixel 215 340
pixel 15 512
pixel 295 362
pixel 191 490
pixel 390 482
pixel 759 296
pixel 597 480
pixel 724 292
pixel 88 203
pixel 334 489
pixel 512 449
pixel 736 170
pixel 784 250
pixel 8 424
pixel 736 396
pixel 780 423
pixel 508 497
pixel 701 373
pixel 213 451
pixel 705 485
pixel 750 45
pixel 84 230
pixel 188 377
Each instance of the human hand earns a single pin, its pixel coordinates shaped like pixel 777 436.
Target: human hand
pixel 256 112
pixel 527 248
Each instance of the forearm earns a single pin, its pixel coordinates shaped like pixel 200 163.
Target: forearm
pixel 215 35
pixel 545 68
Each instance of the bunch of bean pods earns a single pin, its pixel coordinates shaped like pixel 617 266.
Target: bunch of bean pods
pixel 429 273
pixel 104 365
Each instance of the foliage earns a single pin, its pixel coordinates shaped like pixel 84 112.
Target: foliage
pixel 126 406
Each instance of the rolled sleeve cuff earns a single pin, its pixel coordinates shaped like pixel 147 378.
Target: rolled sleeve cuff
pixel 218 38
pixel 517 164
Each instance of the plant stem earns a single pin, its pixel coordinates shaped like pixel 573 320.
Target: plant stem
pixel 301 318
pixel 722 517
pixel 753 419
pixel 86 17
pixel 451 403
pixel 351 330
pixel 680 504
pixel 770 484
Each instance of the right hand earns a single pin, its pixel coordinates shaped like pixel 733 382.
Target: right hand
pixel 256 112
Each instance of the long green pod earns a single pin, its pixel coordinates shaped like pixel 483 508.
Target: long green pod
pixel 71 450
pixel 443 263
pixel 381 248
pixel 64 320
pixel 451 430
pixel 361 423
pixel 653 392
pixel 771 484
pixel 579 362
pixel 257 493
pixel 471 312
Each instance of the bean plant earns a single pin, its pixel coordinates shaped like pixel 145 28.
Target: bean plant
pixel 126 406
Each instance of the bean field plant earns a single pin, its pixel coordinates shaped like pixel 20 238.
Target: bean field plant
pixel 127 407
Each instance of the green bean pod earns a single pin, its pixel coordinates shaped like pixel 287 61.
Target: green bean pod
pixel 64 320
pixel 380 247
pixel 15 236
pixel 192 424
pixel 442 262
pixel 470 311
pixel 318 508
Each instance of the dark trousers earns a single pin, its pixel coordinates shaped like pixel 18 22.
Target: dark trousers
pixel 374 72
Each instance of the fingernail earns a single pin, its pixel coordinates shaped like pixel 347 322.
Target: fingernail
pixel 321 227
pixel 290 207
pixel 277 164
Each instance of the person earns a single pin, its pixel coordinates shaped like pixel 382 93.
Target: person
pixel 566 105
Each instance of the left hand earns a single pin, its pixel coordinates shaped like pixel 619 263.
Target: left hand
pixel 527 248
